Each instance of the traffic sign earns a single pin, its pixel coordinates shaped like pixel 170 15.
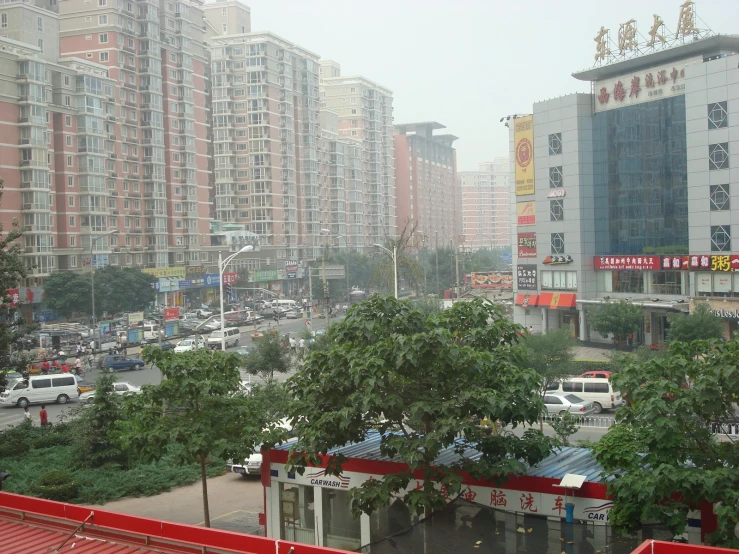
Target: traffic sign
pixel 308 323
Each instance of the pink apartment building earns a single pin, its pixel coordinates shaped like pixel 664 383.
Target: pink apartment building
pixel 426 182
pixel 485 205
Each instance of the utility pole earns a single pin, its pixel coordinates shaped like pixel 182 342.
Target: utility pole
pixel 456 269
pixel 325 289
pixel 438 285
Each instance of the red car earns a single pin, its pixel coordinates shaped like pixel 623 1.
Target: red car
pixel 597 374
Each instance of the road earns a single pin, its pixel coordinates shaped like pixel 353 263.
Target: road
pixel 11 415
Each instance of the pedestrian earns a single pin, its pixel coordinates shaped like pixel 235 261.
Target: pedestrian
pixel 45 367
pixel 43 415
pixel 301 344
pixel 293 344
pixel 26 415
pixel 55 365
pixel 65 367
pixel 90 361
pixel 531 329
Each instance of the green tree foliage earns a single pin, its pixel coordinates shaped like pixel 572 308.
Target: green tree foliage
pixel 702 324
pixel 195 413
pixel 428 304
pixel 116 290
pixel 97 426
pixel 423 382
pixel 564 426
pixel 662 449
pixel 549 354
pixel 620 318
pixel 12 271
pixel 268 357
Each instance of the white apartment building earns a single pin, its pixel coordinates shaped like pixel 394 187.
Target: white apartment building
pixel 485 202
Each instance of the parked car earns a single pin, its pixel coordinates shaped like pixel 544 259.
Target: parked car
pixel 166 345
pixel 599 392
pixel 562 403
pixel 186 345
pixel 118 388
pixel 118 362
pixel 252 464
pixel 597 374
pixel 242 352
pixel 83 387
pixel 293 314
pixel 259 332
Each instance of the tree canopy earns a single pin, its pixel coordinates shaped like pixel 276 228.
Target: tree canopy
pixel 549 354
pixel 662 450
pixel 620 318
pixel 702 324
pixel 267 357
pixel 195 413
pixel 424 382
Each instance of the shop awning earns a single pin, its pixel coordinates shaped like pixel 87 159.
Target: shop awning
pixel 545 299
pixel 563 301
pixel 527 300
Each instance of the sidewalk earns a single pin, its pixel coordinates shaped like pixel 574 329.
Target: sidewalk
pixel 235 503
pixel 592 353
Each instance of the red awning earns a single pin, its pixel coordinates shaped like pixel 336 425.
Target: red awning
pixel 563 301
pixel 527 300
pixel 519 299
pixel 545 298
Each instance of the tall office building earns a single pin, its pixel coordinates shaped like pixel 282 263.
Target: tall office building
pixel 426 181
pixel 485 202
pixel 365 114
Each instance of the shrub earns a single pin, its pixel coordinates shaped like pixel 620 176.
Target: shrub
pixel 57 485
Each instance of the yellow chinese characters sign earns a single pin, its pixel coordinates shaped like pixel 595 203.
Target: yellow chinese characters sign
pixel 163 272
pixel 523 150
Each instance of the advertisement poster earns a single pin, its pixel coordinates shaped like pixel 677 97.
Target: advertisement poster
pixel 523 148
pixel 526 214
pixel 291 269
pixel 492 280
pixel 527 245
pixel 526 277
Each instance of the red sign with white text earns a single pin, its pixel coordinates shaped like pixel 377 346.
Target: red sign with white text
pixel 527 245
pixel 640 263
pixel 229 278
pixel 171 314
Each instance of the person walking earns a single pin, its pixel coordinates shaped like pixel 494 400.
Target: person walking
pixel 65 367
pixel 26 415
pixel 45 367
pixel 78 365
pixel 43 415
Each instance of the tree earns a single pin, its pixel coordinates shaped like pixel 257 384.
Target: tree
pixel 702 324
pixel 662 452
pixel 268 357
pixel 68 292
pixel 195 413
pixel 423 382
pixel 549 354
pixel 409 268
pixel 620 318
pixel 97 426
pixel 12 271
pixel 428 305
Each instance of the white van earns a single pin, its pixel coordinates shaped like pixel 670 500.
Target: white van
pixel 39 389
pixel 287 304
pixel 232 334
pixel 151 331
pixel 599 392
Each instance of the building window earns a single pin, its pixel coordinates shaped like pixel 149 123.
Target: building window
pixel 69 161
pixel 558 243
pixel 40 24
pixel 103 56
pixel 103 38
pixel 3 20
pixel 556 210
pixel 72 241
pixel 555 143
pixel 71 221
pixel 70 181
pixel 720 238
pixel 718 155
pixel 555 177
pixel 102 20
pixel 720 200
pixel 717 115
pixel 68 140
pixel 40 43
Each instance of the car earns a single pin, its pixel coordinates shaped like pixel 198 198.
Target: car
pixel 558 403
pixel 293 314
pixel 119 362
pixel 253 464
pixel 187 345
pixel 242 352
pixel 118 388
pixel 319 332
pixel 83 387
pixel 166 345
pixel 597 374
pixel 259 332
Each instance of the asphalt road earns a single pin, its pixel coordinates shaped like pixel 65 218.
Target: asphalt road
pixel 11 415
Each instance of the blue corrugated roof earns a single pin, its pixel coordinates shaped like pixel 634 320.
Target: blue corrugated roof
pixel 580 461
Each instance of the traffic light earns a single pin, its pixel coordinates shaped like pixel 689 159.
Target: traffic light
pixel 227 291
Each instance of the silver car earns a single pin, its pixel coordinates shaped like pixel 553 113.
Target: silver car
pixel 557 403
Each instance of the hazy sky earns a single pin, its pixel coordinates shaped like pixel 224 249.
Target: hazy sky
pixel 467 63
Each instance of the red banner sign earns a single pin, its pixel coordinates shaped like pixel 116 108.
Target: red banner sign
pixel 229 278
pixel 638 263
pixel 171 313
pixel 693 262
pixel 527 245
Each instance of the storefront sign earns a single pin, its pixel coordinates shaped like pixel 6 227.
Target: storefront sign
pixel 264 275
pixel 171 314
pixel 184 284
pixel 167 284
pixel 15 297
pixel 557 260
pixel 526 277
pixel 229 278
pixel 194 270
pixel 640 263
pixel 527 245
pixel 492 280
pixel 161 272
pixel 212 280
pixel 134 318
pixel 557 193
pixel 291 269
pixel 643 86
pixel 526 214
pixel 523 139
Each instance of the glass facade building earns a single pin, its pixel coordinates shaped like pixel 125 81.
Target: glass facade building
pixel 641 178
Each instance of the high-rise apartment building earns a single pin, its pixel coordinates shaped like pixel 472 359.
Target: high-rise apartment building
pixel 426 181
pixel 365 115
pixel 485 205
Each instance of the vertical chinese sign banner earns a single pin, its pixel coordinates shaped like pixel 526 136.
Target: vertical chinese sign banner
pixel 527 245
pixel 523 150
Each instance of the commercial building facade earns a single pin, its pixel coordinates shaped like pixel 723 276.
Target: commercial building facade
pixel 628 191
pixel 485 203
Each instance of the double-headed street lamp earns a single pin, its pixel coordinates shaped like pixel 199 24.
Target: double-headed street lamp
pixel 394 255
pixel 221 268
pixel 92 246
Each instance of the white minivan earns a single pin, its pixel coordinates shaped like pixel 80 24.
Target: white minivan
pixel 595 391
pixel 232 334
pixel 39 389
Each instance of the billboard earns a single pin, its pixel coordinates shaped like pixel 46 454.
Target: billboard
pixel 163 272
pixel 526 214
pixel 527 245
pixel 523 150
pixel 492 280
pixel 526 277
pixel 641 263
pixel 291 269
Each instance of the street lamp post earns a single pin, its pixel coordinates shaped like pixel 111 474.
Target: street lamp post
pixel 326 297
pixel 346 263
pixel 221 268
pixel 92 265
pixel 394 255
pixel 492 253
